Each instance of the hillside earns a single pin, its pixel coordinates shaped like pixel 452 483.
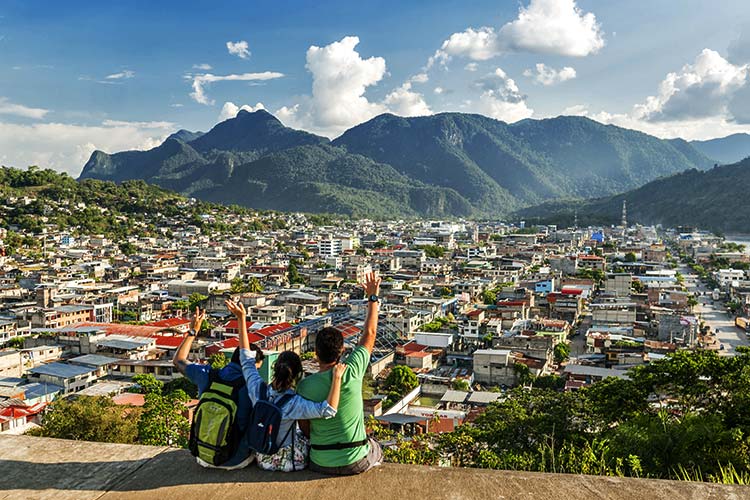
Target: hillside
pixel 491 162
pixel 713 199
pixel 450 164
pixel 726 150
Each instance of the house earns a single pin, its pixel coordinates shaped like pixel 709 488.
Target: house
pixel 494 367
pixel 71 378
pixel 11 364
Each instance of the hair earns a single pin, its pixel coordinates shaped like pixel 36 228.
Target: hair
pixel 259 356
pixel 286 370
pixel 329 345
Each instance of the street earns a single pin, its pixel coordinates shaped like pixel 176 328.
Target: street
pixel 715 315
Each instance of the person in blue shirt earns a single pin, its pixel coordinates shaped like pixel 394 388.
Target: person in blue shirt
pixel 198 374
pixel 293 445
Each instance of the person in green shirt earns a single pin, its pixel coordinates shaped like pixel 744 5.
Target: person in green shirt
pixel 340 445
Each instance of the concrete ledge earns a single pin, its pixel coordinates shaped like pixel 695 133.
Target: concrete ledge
pixel 40 468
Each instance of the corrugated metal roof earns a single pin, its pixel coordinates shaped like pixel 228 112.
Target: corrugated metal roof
pixel 62 370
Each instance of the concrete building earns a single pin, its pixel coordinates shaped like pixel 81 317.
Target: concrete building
pixel 494 367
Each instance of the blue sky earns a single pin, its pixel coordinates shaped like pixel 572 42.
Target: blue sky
pixel 79 76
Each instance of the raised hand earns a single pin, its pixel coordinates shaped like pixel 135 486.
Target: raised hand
pixel 371 284
pixel 236 308
pixel 196 322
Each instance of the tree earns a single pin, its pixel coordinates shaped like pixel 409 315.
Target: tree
pixel 638 286
pixel 293 275
pixel 195 300
pixel 489 297
pixel 128 248
pixel 460 385
pixel 401 380
pixel 88 418
pixel 630 257
pixel 218 360
pixel 561 352
pixel 162 422
pixel 147 384
pixel 15 343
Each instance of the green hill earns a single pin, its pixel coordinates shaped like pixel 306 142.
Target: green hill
pixel 713 199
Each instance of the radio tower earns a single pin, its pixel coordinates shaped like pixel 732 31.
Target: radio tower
pixel 624 214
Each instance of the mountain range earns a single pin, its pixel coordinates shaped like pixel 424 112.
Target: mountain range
pixel 714 199
pixel 449 164
pixel 726 150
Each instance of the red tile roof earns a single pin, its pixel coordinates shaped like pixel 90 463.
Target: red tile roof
pixel 170 322
pixel 123 329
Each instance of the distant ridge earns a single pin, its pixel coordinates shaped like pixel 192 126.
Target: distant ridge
pixel 449 164
pixel 713 199
pixel 726 150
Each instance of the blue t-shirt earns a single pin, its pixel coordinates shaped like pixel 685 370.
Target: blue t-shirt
pixel 198 374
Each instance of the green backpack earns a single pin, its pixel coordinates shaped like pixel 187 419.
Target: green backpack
pixel 214 433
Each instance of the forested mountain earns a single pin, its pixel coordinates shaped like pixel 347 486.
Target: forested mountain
pixel 491 162
pixel 450 164
pixel 729 149
pixel 714 199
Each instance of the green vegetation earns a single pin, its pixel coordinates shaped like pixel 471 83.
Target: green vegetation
pixel 87 418
pixel 465 165
pixel 432 251
pixel 398 383
pixel 561 352
pixel 687 198
pixel 460 385
pixel 610 428
pixel 218 360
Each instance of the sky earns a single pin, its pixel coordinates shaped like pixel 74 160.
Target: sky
pixel 79 76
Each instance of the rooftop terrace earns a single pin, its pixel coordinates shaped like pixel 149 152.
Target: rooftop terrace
pixel 42 468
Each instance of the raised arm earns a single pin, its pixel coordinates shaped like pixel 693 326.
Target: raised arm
pixel 180 357
pixel 372 288
pixel 247 356
pixel 238 309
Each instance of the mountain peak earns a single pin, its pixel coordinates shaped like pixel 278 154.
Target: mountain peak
pixel 253 131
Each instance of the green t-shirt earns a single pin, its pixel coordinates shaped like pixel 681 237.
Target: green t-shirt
pixel 348 426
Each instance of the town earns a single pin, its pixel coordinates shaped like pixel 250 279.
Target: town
pixel 471 309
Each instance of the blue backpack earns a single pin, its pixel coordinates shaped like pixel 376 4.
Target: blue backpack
pixel 265 421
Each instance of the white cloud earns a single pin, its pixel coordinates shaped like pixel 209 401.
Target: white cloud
pixel 576 110
pixel 199 81
pixel 546 76
pixel 9 108
pixel 340 78
pixel 230 109
pixel 66 147
pixel 438 90
pixel 203 67
pixel 239 49
pixel 553 27
pixel 405 102
pixel 556 27
pixel 702 89
pixel 122 75
pixel 471 67
pixel 420 78
pixel 501 98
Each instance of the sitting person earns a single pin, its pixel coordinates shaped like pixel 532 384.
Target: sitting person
pixel 340 445
pixel 202 375
pixel 293 445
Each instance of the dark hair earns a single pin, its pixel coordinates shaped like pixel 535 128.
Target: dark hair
pixel 329 344
pixel 259 356
pixel 287 368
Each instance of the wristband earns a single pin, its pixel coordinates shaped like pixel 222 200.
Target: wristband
pixel 192 333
